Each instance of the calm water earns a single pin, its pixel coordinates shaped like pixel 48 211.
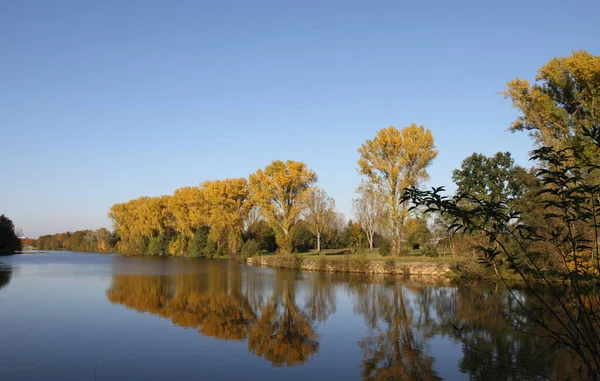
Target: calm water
pixel 76 316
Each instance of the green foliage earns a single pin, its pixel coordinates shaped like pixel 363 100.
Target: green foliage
pixel 201 245
pixel 290 261
pixel 429 250
pixel 98 241
pixel 159 245
pixel 385 248
pixel 261 232
pixel 9 242
pixel 567 235
pixel 491 178
pixel 419 234
pixel 302 238
pixel 358 263
pixel 250 248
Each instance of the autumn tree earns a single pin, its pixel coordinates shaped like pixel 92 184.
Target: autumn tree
pixel 228 206
pixel 564 100
pixel 189 210
pixel 392 161
pixel 319 213
pixel 370 210
pixel 281 191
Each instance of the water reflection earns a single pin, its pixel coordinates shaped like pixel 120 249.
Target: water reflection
pixel 278 314
pixel 5 275
pixel 228 304
pixel 394 349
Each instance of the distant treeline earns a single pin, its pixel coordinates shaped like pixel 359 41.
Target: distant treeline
pixel 348 235
pixel 100 240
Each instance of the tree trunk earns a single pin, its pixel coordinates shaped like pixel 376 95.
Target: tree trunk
pixel 370 238
pixel 318 242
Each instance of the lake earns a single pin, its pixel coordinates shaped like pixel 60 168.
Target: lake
pixel 87 316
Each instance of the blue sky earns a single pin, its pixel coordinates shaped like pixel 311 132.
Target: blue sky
pixel 104 101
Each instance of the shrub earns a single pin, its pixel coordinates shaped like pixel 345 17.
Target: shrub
pixel 250 248
pixel 429 250
pixel 358 263
pixel 384 248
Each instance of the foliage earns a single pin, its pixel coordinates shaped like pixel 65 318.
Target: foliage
pixel 302 238
pixel 493 178
pixel 9 242
pixel 418 234
pixel 563 102
pixel 393 160
pixel 356 237
pixel 261 232
pixel 385 248
pixel 250 248
pixel 98 241
pixel 227 208
pixel 569 230
pixel 281 191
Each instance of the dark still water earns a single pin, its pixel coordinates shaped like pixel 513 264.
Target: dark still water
pixel 76 316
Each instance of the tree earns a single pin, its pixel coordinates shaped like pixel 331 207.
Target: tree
pixel 9 242
pixel 228 206
pixel 189 210
pixel 564 100
pixel 261 232
pixel 319 213
pixel 393 161
pixel 370 210
pixel 281 191
pixel 568 306
pixel 493 178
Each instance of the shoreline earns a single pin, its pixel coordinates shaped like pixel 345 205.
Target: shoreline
pixel 354 265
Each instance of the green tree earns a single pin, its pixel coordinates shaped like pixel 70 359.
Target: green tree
pixel 9 242
pixel 493 178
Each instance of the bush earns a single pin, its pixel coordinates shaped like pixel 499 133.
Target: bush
pixel 358 263
pixel 429 250
pixel 250 248
pixel 385 248
pixel 290 261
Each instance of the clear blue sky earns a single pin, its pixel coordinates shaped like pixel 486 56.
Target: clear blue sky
pixel 104 101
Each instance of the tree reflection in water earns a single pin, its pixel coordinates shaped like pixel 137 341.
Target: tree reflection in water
pixel 225 305
pixel 5 274
pixel 283 334
pixel 277 316
pixel 394 350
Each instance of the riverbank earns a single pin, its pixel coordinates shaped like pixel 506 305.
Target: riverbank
pixel 357 264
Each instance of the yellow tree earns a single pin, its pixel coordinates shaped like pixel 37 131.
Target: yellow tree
pixel 394 160
pixel 189 210
pixel 139 219
pixel 564 100
pixel 280 191
pixel 228 207
pixel 319 212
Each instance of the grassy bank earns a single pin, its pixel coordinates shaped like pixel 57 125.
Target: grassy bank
pixel 367 263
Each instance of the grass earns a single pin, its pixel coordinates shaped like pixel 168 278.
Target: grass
pixel 333 254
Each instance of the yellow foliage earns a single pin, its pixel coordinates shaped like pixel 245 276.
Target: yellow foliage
pixel 394 160
pixel 565 98
pixel 228 206
pixel 280 191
